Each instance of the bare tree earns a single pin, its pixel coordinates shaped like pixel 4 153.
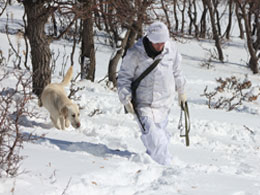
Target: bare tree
pixel 192 12
pixel 203 23
pixel 256 29
pixel 182 15
pixel 239 20
pixel 88 62
pixel 230 15
pixel 248 8
pixel 215 4
pixel 215 31
pixel 175 15
pixel 166 10
pixel 128 16
pixel 37 14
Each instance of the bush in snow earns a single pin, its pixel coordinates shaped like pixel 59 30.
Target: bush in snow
pixel 231 93
pixel 211 56
pixel 12 111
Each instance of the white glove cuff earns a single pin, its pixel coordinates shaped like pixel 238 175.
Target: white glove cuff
pixel 182 98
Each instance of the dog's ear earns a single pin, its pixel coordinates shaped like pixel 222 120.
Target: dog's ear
pixel 64 111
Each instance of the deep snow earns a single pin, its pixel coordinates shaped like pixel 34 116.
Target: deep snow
pixel 106 156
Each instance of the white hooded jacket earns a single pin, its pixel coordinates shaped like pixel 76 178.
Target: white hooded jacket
pixel 154 95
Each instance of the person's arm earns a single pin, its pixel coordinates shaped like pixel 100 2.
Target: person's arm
pixel 126 76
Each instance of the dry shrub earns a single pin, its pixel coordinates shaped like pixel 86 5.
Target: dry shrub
pixel 13 109
pixel 231 93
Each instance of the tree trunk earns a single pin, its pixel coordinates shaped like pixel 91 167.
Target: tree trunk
pixel 192 12
pixel 239 18
pixel 88 62
pixel 203 22
pixel 229 19
pixel 195 19
pixel 176 15
pixel 134 30
pixel 37 16
pixel 132 37
pixel 112 67
pixel 190 16
pixel 165 10
pixel 215 5
pixel 253 62
pixel 183 16
pixel 256 29
pixel 127 42
pixel 215 32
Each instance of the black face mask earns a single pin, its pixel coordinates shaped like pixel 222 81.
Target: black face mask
pixel 151 52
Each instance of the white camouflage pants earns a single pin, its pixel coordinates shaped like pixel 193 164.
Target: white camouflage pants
pixel 156 140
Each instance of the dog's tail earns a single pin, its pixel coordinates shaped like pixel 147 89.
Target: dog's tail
pixel 68 76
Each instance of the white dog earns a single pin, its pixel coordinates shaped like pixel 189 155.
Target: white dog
pixel 62 110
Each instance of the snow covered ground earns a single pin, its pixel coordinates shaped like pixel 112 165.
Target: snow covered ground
pixel 106 156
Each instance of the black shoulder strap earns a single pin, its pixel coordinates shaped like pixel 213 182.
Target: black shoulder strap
pixel 136 82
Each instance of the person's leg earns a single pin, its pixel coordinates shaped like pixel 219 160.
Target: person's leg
pixel 156 140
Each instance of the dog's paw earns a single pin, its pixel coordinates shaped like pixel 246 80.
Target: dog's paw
pixel 57 126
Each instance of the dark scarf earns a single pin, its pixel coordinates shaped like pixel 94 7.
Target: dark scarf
pixel 151 52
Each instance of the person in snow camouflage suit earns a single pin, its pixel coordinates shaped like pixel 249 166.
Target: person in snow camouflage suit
pixel 155 94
